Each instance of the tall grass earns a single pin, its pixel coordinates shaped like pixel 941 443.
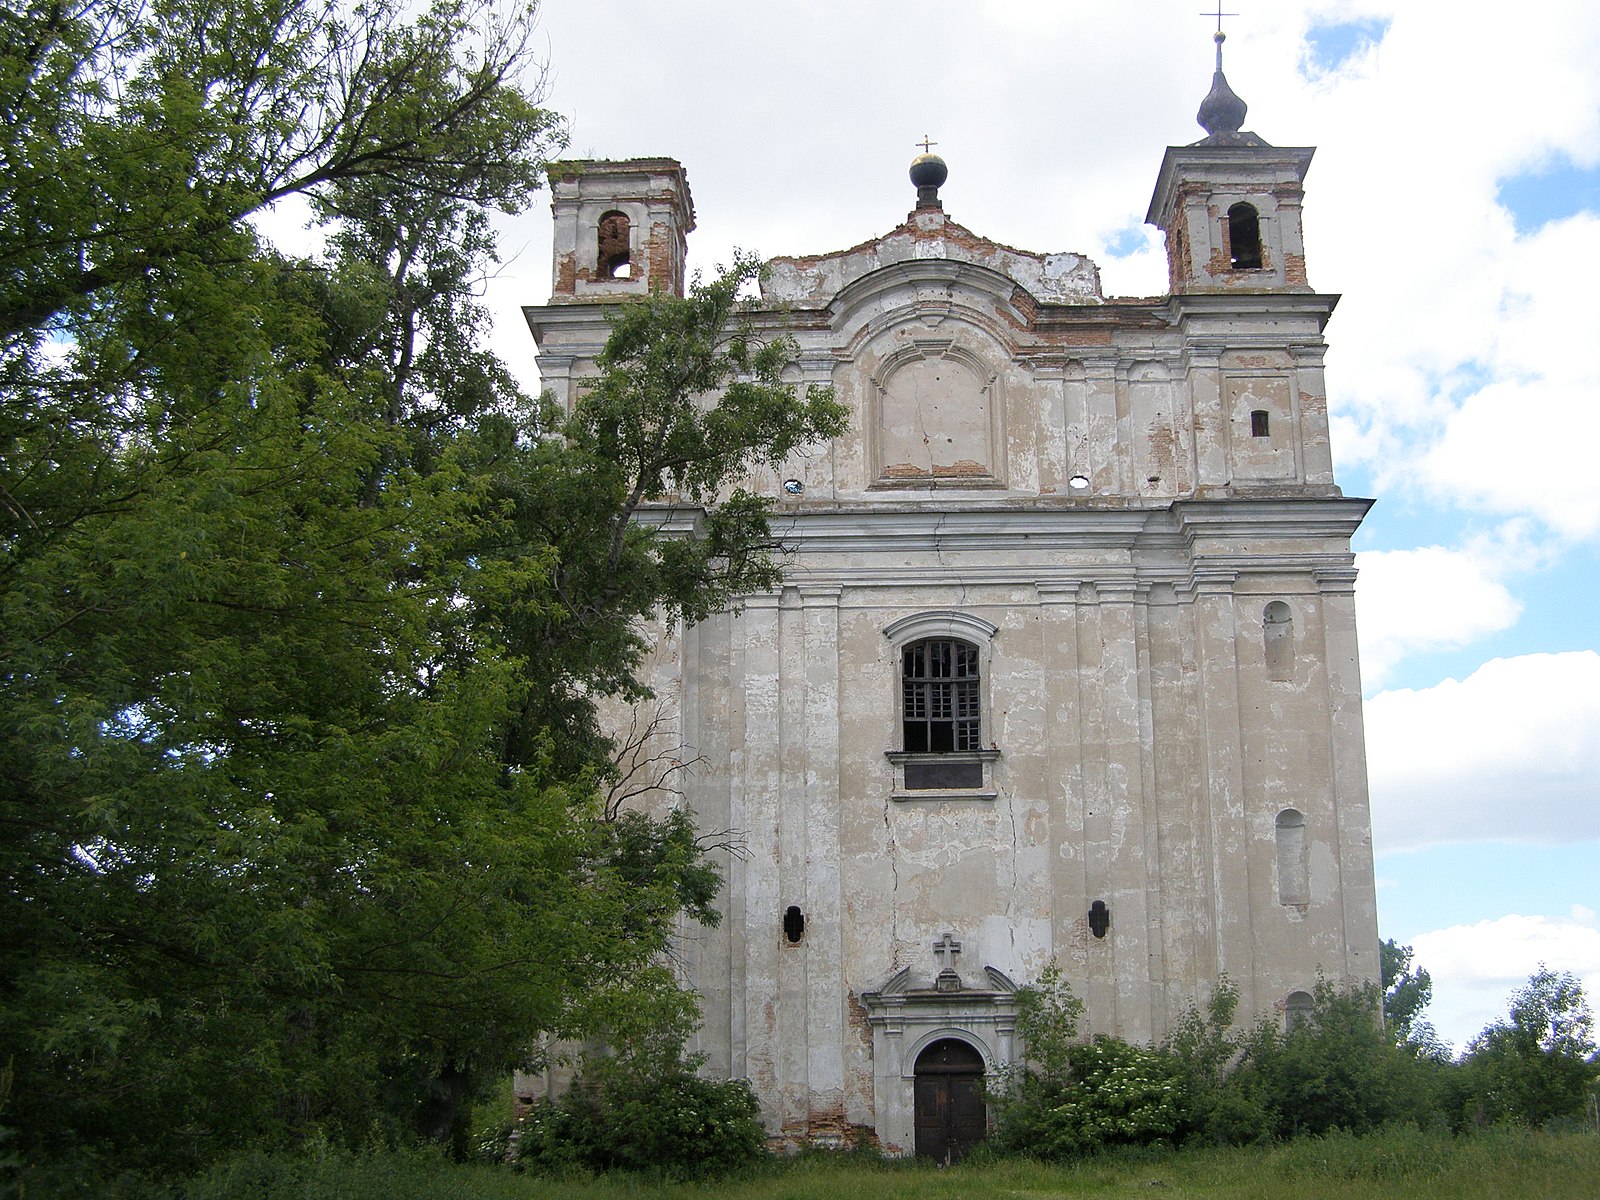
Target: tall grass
pixel 1394 1165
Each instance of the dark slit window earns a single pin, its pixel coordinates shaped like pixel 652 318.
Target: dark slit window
pixel 940 687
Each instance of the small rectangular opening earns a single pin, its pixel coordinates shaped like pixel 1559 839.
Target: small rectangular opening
pixel 928 776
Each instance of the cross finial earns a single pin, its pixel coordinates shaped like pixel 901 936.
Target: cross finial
pixel 946 948
pixel 928 145
pixel 1219 14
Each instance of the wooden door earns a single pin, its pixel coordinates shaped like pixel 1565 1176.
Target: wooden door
pixel 950 1115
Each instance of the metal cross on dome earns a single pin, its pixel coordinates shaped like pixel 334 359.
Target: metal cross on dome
pixel 926 144
pixel 1219 14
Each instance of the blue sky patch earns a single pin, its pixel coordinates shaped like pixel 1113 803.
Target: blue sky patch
pixel 1538 197
pixel 1423 890
pixel 1329 46
pixel 1128 240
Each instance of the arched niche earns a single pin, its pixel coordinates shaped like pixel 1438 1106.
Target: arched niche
pixel 936 417
pixel 1294 863
pixel 1277 639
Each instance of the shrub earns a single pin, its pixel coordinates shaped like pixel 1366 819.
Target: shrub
pixel 645 1111
pixel 1203 1051
pixel 1072 1097
pixel 1338 1069
pixel 1114 1094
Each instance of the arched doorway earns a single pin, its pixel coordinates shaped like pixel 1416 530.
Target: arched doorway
pixel 950 1113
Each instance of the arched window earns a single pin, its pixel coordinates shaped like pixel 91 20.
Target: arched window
pixel 1244 237
pixel 1277 635
pixel 1294 873
pixel 1297 1010
pixel 939 656
pixel 613 254
pixel 940 699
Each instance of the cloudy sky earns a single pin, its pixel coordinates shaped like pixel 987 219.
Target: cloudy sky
pixel 1455 204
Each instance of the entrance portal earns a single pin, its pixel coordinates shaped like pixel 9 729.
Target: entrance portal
pixel 950 1113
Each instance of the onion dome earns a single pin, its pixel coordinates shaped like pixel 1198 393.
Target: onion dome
pixel 1222 112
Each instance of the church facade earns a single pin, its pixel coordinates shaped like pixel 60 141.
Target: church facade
pixel 1064 665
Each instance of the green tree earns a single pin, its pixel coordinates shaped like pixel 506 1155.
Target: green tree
pixel 139 134
pixel 1337 1068
pixel 302 620
pixel 1539 1064
pixel 642 436
pixel 1407 992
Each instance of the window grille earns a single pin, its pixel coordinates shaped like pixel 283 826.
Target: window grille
pixel 939 678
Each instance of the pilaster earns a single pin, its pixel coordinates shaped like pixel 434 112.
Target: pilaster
pixel 1217 632
pixel 758 816
pixel 1358 894
pixel 1069 895
pixel 826 989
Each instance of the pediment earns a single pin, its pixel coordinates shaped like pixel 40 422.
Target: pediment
pixel 903 985
pixel 928 237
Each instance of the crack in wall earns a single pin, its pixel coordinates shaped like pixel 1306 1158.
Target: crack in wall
pixel 1016 849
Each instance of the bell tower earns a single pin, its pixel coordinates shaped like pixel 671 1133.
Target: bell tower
pixel 621 228
pixel 1230 204
pixel 1250 323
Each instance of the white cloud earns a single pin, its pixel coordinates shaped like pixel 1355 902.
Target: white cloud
pixel 1430 598
pixel 1512 752
pixel 1524 442
pixel 1452 371
pixel 1476 968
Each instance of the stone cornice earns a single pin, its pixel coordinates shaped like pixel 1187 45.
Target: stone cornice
pixel 1233 307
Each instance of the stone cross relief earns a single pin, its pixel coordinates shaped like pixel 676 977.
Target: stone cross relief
pixel 946 949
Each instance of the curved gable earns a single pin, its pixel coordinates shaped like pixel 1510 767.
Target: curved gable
pixel 813 281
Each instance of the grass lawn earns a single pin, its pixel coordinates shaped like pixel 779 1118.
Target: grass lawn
pixel 1395 1166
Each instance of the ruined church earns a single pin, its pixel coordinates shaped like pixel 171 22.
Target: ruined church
pixel 1064 664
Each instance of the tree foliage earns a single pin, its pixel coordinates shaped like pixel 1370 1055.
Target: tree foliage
pixel 1335 1069
pixel 1539 1064
pixel 1407 992
pixel 139 134
pixel 302 616
pixel 642 442
pixel 1208 1082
